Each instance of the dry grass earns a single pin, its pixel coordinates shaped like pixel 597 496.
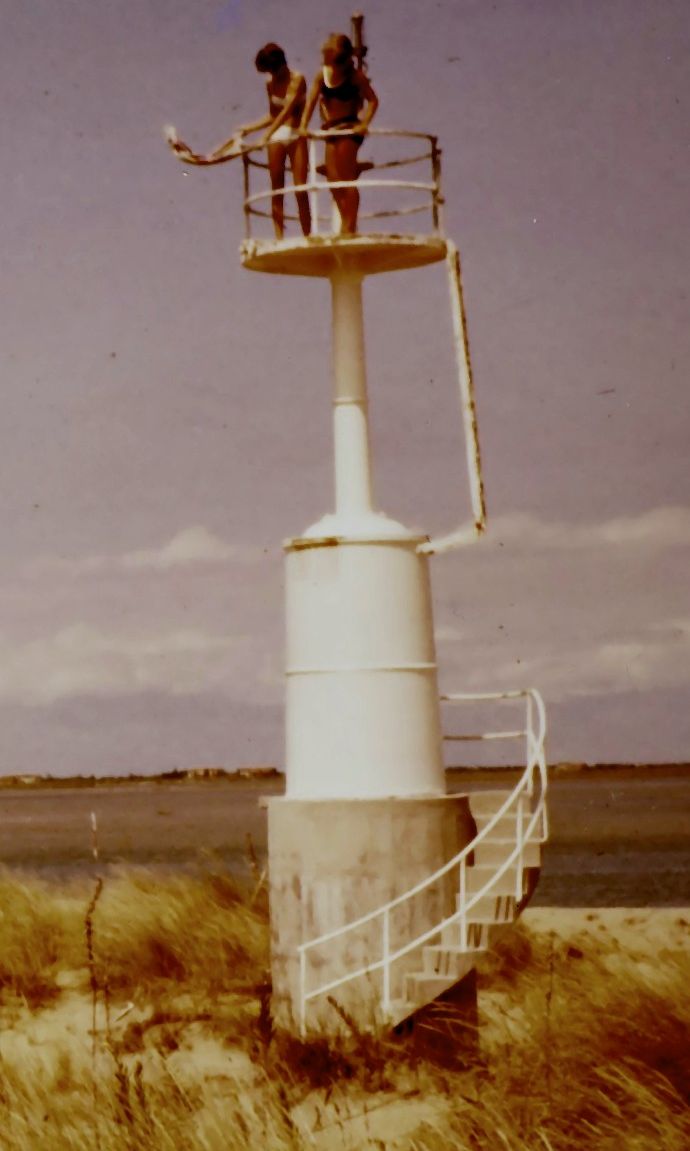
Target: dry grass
pixel 582 1044
pixel 40 933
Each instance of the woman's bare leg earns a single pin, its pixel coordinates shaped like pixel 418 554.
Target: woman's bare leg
pixel 341 164
pixel 276 165
pixel 299 162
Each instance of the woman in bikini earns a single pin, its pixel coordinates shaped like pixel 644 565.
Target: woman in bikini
pixel 342 89
pixel 286 92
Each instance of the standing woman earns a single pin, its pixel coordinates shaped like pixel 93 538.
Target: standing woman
pixel 342 89
pixel 286 91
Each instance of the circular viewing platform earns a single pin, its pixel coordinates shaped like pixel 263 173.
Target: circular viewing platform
pixel 400 179
pixel 325 255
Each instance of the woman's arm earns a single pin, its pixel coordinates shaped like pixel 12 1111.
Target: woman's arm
pixel 245 129
pixel 241 132
pixel 311 103
pixel 231 144
pixel 368 94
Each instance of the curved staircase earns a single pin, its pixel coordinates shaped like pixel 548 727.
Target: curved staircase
pixel 491 878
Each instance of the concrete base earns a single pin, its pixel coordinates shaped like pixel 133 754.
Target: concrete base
pixel 332 861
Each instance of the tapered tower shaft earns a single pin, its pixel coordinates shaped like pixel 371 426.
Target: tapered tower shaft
pixel 353 482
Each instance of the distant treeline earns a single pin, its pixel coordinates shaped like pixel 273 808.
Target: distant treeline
pixel 242 774
pixel 177 775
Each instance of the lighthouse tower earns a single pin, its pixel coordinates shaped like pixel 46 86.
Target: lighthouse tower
pixel 375 896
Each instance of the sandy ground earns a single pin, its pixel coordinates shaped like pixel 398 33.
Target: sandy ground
pixel 640 932
pixel 347 1121
pixel 642 936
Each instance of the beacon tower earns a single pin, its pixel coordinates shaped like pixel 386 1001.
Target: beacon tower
pixel 383 888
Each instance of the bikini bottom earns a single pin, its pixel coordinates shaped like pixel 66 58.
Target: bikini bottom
pixel 341 126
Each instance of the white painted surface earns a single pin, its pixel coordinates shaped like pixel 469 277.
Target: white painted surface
pixel 362 708
pixel 362 696
pixel 350 415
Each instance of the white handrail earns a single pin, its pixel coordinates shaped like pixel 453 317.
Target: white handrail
pixel 314 186
pixel 536 763
pixel 317 185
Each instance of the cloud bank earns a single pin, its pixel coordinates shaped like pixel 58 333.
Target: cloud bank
pixel 667 527
pixel 584 612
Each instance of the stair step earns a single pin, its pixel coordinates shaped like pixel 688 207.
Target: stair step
pixel 421 988
pixel 492 908
pixel 477 935
pixel 487 803
pixel 446 961
pixel 505 828
pixel 497 850
pixel 476 877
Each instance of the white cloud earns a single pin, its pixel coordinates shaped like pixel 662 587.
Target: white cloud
pixel 584 626
pixel 657 659
pixel 81 660
pixel 658 528
pixel 191 546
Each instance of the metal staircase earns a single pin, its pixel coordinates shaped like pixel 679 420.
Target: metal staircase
pixel 492 879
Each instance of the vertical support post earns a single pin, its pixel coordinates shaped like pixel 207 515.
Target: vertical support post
pixel 543 822
pixel 313 194
pixel 247 217
pixel 302 992
pixel 436 180
pixel 519 834
pixel 350 415
pixel 386 926
pixel 463 902
pixel 529 741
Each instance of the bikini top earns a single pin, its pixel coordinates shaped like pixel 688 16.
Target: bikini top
pixel 347 92
pixel 277 103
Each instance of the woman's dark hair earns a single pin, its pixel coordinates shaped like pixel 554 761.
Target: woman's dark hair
pixel 341 47
pixel 270 58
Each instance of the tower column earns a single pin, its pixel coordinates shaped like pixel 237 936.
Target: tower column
pixel 353 487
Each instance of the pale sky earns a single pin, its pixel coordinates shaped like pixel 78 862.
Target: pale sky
pixel 166 414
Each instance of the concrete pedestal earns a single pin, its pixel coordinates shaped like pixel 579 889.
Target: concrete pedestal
pixel 331 861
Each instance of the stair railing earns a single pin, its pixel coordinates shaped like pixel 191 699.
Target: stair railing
pixel 536 830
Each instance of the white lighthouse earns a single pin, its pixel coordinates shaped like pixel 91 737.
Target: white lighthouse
pixel 383 888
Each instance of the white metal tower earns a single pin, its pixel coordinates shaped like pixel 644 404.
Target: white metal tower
pixel 383 888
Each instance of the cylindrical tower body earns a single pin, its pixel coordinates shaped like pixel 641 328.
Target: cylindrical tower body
pixel 362 699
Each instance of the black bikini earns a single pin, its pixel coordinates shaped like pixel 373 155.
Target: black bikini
pixel 347 92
